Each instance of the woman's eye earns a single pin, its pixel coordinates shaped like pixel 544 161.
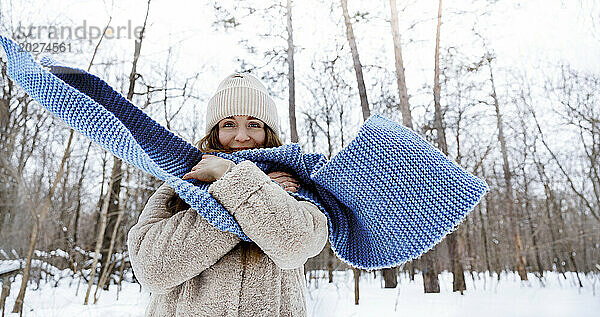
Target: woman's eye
pixel 228 124
pixel 254 125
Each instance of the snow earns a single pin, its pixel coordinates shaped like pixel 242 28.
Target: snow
pixel 61 301
pixel 484 297
pixel 7 266
pixel 57 252
pixel 3 253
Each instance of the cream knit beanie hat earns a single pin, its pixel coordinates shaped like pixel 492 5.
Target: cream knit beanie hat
pixel 242 94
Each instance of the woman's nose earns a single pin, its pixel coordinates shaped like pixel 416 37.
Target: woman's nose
pixel 242 135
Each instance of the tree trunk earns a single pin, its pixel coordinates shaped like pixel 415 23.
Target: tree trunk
pixel 509 198
pixel 411 269
pixel 112 214
pixel 568 247
pixel 117 172
pixel 121 270
pixel 106 272
pixel 63 219
pixel 6 283
pixel 582 235
pixel 291 80
pixel 37 221
pixel 560 247
pixel 115 179
pixel 466 241
pixel 100 201
pixel 431 283
pixel 390 277
pixel 441 133
pixel 400 78
pixel 356 288
pixel 404 108
pixel 330 259
pixel 362 90
pixel 99 238
pixel 483 227
pixel 75 225
pixel 451 239
pixel 5 211
pixel 532 231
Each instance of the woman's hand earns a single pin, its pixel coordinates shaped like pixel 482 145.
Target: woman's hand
pixel 209 169
pixel 285 180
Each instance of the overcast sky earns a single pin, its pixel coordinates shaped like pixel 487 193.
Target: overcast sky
pixel 520 31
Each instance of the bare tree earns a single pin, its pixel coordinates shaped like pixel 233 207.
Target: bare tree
pixel 291 79
pixel 39 218
pixel 527 208
pixel 430 275
pixel 401 81
pixel 509 197
pixel 111 202
pixel 331 94
pixel 103 220
pixel 364 103
pixel 577 94
pixel 362 90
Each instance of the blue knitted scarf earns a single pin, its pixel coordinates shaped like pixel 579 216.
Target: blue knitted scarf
pixel 389 195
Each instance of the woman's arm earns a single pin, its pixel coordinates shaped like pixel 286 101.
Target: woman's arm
pixel 167 250
pixel 287 230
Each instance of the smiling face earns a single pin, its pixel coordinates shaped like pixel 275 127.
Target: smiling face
pixel 241 132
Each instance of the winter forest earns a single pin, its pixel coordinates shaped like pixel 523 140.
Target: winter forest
pixel 509 90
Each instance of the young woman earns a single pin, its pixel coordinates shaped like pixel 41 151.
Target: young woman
pixel 193 269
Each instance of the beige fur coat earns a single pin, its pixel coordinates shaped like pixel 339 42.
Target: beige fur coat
pixel 193 269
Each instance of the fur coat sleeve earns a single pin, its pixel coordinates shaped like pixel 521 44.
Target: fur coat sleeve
pixel 167 250
pixel 287 230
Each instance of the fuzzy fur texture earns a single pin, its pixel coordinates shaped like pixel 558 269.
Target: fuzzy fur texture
pixel 193 269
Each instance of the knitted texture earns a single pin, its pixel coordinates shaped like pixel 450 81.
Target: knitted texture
pixel 389 195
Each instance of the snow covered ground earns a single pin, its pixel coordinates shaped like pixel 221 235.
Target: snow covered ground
pixel 484 297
